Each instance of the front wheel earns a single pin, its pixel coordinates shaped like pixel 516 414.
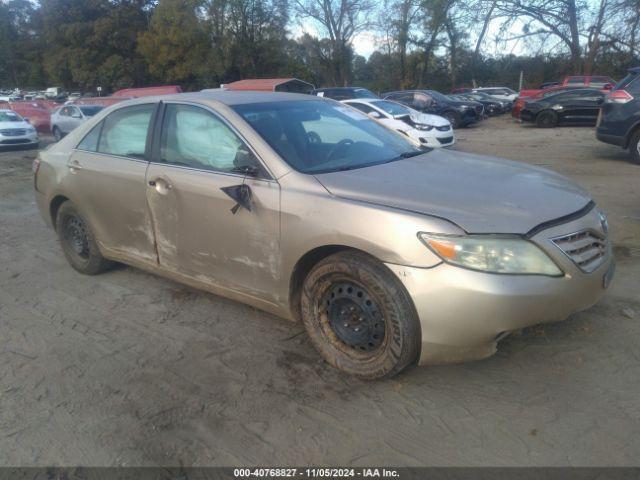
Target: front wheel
pixel 453 117
pixel 634 147
pixel 78 243
pixel 547 119
pixel 359 316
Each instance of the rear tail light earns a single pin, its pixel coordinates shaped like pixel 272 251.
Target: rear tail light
pixel 619 96
pixel 35 166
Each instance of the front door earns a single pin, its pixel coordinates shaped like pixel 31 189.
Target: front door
pixel 108 171
pixel 199 233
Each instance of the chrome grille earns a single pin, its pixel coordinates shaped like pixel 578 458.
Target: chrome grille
pixel 13 132
pixel 586 249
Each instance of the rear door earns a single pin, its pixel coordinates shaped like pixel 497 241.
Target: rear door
pixel 107 175
pixel 199 233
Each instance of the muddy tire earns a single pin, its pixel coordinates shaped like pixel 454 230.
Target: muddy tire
pixel 634 147
pixel 78 242
pixel 547 119
pixel 359 316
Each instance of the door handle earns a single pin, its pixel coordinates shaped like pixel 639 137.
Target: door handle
pixel 74 166
pixel 161 185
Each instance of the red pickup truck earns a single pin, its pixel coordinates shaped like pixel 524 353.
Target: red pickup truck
pixel 577 81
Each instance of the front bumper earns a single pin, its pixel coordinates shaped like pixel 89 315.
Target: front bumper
pixel 10 140
pixel 463 313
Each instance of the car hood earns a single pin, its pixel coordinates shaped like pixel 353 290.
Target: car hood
pixel 20 124
pixel 428 119
pixel 460 103
pixel 479 194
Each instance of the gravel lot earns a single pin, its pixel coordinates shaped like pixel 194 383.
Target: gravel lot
pixel 130 369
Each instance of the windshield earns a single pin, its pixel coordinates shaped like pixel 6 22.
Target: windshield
pixel 319 136
pixel 364 93
pixel 90 110
pixel 10 117
pixel 391 108
pixel 438 96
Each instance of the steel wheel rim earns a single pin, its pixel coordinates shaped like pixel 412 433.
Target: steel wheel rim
pixel 75 233
pixel 354 317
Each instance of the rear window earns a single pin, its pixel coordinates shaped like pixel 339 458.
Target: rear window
pixel 630 83
pixel 575 80
pixel 599 82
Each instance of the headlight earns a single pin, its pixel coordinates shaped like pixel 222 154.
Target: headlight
pixel 424 127
pixel 491 254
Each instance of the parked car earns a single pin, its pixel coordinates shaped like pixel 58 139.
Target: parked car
pixel 67 118
pixel 344 93
pixel 601 82
pixel 300 206
pixel 503 93
pixel 579 106
pixel 425 129
pixel 619 120
pixel 15 130
pixel 459 113
pixel 520 101
pixel 492 106
pixel 74 96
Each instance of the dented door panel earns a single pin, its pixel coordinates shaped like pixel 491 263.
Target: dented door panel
pixel 198 235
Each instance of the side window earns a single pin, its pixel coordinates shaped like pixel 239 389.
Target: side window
pixel 65 112
pixel 75 112
pixel 194 137
pixel 124 131
pixel 90 140
pixel 420 100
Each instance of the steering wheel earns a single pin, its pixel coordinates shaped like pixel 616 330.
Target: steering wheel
pixel 347 142
pixel 314 138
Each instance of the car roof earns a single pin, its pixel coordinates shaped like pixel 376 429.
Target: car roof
pixel 226 97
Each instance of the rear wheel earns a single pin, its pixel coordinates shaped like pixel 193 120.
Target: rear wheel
pixel 547 119
pixel 78 243
pixel 634 147
pixel 453 117
pixel 359 316
pixel 57 134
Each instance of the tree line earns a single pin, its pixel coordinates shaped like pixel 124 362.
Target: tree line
pixel 83 44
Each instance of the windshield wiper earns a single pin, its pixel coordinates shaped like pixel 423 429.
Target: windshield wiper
pixel 412 153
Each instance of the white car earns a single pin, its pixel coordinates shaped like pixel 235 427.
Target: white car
pixel 68 117
pixel 15 130
pixel 424 129
pixel 503 93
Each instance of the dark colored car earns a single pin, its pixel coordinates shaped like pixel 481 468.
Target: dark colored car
pixel 492 106
pixel 579 106
pixel 459 113
pixel 344 93
pixel 619 120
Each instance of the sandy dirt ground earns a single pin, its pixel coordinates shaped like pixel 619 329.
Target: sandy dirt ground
pixel 130 369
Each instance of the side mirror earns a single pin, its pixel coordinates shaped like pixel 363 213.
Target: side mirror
pixel 26 119
pixel 375 114
pixel 607 86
